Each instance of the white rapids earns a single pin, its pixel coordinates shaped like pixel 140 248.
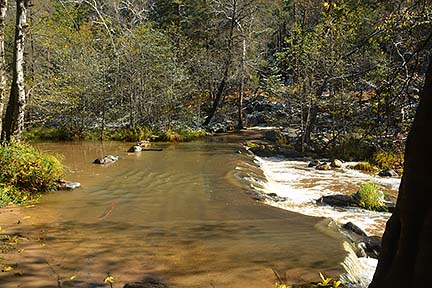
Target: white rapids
pixel 298 187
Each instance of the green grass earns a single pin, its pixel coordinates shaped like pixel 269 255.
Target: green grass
pixel 369 197
pixel 26 172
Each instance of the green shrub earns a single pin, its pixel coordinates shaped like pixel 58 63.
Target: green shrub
pixel 389 160
pixel 25 172
pixel 365 167
pixel 369 197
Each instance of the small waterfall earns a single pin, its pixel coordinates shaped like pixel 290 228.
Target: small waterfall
pixel 359 270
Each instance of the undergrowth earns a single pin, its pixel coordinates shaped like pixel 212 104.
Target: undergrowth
pixel 369 197
pixel 26 172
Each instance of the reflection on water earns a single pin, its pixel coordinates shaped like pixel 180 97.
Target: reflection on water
pixel 181 215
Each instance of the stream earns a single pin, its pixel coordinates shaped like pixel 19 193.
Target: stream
pixel 185 216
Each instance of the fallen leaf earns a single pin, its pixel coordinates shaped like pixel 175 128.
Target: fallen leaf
pixel 42 244
pixel 7 268
pixel 73 277
pixel 109 279
pixel 26 217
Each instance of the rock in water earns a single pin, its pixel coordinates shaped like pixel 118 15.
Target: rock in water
pixel 314 163
pixel 388 173
pixel 324 166
pixel 106 159
pixel 135 148
pixel 68 185
pixel 336 163
pixel 354 228
pixel 339 200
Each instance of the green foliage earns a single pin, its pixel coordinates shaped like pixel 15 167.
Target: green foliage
pixel 389 160
pixel 132 134
pixel 365 167
pixel 369 197
pixel 43 133
pixel 25 172
pixel 182 135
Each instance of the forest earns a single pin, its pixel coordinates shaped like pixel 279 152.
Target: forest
pixel 338 74
pixel 333 79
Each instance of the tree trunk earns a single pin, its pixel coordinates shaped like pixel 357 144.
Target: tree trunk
pixel 406 254
pixel 3 10
pixel 14 120
pixel 241 90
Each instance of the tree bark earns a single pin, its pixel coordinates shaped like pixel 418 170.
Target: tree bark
pixel 241 89
pixel 14 120
pixel 406 254
pixel 3 10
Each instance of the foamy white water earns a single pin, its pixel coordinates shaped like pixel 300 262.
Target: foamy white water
pixel 300 187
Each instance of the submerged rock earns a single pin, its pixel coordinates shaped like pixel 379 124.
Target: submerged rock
pixel 388 173
pixel 106 159
pixel 146 284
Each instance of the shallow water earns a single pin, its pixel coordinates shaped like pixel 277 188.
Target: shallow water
pixel 184 216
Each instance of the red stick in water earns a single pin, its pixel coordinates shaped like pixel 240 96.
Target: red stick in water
pixel 107 212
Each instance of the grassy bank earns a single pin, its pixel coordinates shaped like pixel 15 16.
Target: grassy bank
pixel 128 134
pixel 26 173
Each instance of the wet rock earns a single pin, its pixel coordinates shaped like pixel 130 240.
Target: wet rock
pixel 314 163
pixel 323 166
pixel 106 159
pixel 264 151
pixel 146 284
pixel 388 173
pixel 135 149
pixel 338 200
pixel 373 246
pixel 68 185
pixel 354 228
pixel 336 163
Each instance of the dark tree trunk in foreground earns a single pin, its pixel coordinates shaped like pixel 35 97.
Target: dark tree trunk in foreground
pixel 3 9
pixel 14 119
pixel 406 255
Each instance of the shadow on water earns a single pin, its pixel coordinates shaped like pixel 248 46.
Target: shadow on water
pixel 177 215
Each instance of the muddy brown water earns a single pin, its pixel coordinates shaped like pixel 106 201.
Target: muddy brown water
pixel 183 216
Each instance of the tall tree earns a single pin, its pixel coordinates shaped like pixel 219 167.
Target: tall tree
pixel 14 119
pixel 406 248
pixel 3 10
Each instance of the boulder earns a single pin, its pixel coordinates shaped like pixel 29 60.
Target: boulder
pixel 106 159
pixel 336 163
pixel 314 163
pixel 388 173
pixel 373 246
pixel 323 166
pixel 354 228
pixel 339 200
